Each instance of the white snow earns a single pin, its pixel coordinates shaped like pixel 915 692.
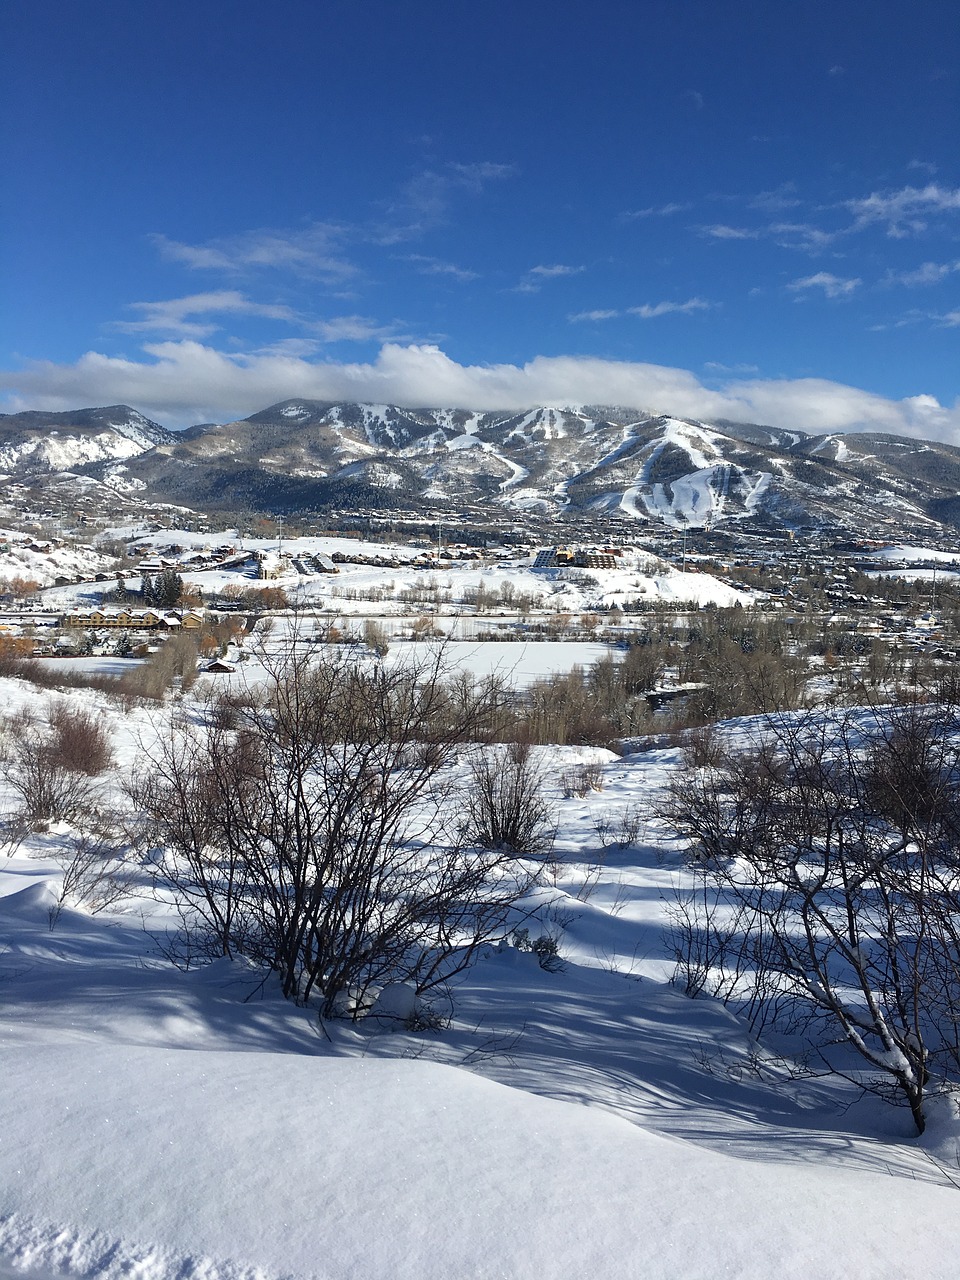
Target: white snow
pixel 907 555
pixel 155 1163
pixel 753 495
pixel 465 441
pixel 519 473
pixel 61 452
pixel 588 1123
pixel 23 557
pixel 517 663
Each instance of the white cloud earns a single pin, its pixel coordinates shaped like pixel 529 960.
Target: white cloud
pixel 184 382
pixel 476 175
pixel 833 286
pixel 658 211
pixel 314 251
pixel 352 329
pixel 716 367
pixel 424 200
pixel 937 319
pixel 650 311
pixel 428 266
pixel 592 315
pixel 304 347
pixel 782 197
pixel 171 316
pixel 905 211
pixel 534 278
pixel 803 236
pixel 926 273
pixel 558 269
pixel 720 231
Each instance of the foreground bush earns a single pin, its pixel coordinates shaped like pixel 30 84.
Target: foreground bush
pixel 826 896
pixel 309 829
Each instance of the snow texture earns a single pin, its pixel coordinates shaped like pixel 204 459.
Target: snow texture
pixel 590 1122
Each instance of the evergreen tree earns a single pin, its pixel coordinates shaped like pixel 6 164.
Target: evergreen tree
pixel 168 588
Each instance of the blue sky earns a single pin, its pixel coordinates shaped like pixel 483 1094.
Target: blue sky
pixel 709 207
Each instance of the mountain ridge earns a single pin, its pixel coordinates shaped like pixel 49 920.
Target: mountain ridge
pixel 549 461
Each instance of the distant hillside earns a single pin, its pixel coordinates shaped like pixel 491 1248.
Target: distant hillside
pixel 305 455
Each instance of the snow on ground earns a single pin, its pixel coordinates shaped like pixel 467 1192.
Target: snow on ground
pixel 99 665
pixel 588 1122
pixel 404 588
pixel 916 574
pixel 518 663
pixel 234 1164
pixel 908 555
pixel 43 562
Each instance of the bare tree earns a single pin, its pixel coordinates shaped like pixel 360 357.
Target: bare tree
pixel 93 861
pixel 827 888
pixel 49 760
pixel 312 830
pixel 506 808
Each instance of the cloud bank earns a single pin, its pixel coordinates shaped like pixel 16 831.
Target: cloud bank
pixel 183 382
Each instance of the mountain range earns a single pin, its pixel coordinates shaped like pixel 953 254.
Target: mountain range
pixel 305 455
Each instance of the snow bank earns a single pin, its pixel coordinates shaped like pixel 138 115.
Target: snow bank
pixel 162 1163
pixel 906 555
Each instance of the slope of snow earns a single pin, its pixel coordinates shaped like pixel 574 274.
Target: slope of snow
pixel 61 451
pixel 138 429
pixel 518 664
pixel 167 1125
pixel 909 555
pixel 19 560
pixel 158 1163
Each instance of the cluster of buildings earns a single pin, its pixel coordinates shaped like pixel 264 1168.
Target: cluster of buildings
pixel 578 558
pixel 134 619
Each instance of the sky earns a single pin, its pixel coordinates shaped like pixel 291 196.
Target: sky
pixel 713 208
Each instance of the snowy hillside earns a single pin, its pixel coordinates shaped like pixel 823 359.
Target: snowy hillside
pixel 581 1121
pixel 68 441
pixel 399 586
pixel 548 461
pixel 40 561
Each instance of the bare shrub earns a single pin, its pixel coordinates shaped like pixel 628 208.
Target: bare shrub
pixel 546 948
pixel 43 764
pixel 80 739
pixel 506 808
pixel 174 662
pixel 579 780
pixel 566 710
pixel 825 864
pixel 93 862
pixel 702 746
pixel 622 827
pixel 375 637
pixel 312 832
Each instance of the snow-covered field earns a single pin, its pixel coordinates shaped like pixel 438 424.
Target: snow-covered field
pixel 902 555
pixel 518 663
pixel 590 1122
pixel 403 587
pixel 915 563
pixel 40 561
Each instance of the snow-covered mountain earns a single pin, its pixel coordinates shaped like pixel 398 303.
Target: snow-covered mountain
pixel 581 460
pixel 66 441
